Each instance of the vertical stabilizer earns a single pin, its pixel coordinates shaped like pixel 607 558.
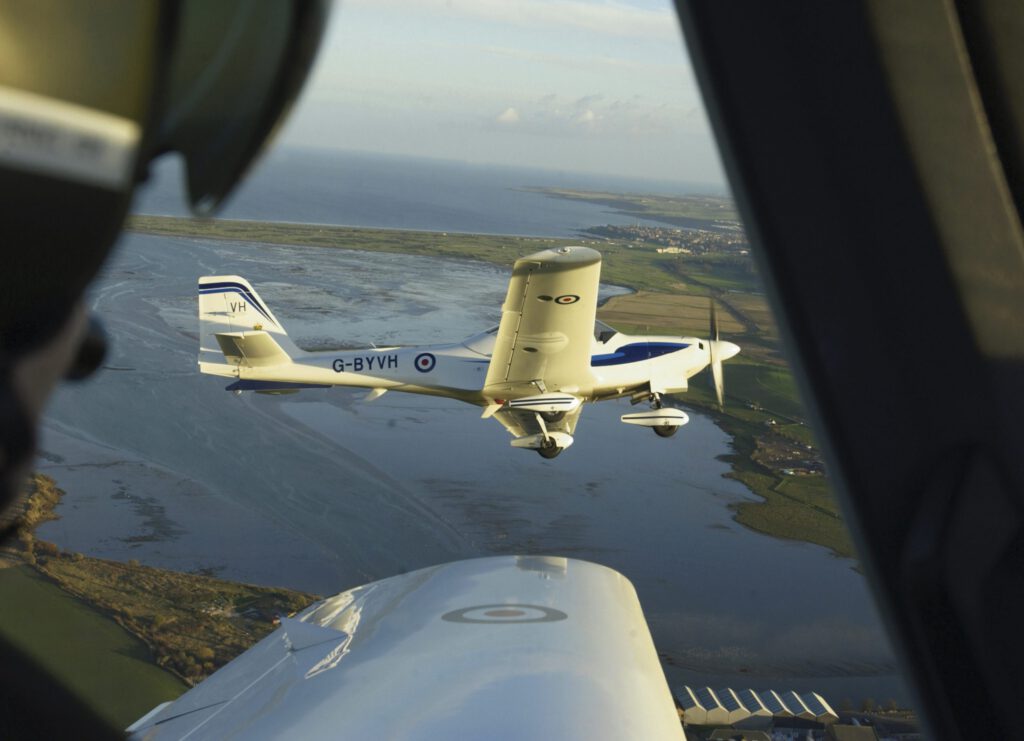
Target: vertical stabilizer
pixel 229 305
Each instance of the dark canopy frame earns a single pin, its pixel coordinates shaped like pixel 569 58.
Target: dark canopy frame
pixel 874 150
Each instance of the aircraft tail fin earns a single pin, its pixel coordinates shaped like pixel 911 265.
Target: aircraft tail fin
pixel 237 328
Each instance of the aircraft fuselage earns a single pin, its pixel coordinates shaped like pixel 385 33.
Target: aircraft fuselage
pixel 618 366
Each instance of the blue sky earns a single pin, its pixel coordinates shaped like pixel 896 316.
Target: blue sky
pixel 578 85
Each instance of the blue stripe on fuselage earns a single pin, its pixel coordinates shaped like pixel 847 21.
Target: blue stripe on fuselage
pixel 635 352
pixel 250 385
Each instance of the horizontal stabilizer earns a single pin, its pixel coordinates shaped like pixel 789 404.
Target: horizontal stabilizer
pixel 664 417
pixel 254 349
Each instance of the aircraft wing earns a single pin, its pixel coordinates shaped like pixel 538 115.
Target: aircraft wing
pixel 526 647
pixel 547 324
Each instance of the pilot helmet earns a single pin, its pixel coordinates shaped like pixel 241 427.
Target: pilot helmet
pixel 90 94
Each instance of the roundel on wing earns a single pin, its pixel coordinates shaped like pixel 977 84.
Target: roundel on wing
pixel 504 614
pixel 567 298
pixel 425 362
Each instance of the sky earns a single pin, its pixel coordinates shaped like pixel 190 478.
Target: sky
pixel 574 85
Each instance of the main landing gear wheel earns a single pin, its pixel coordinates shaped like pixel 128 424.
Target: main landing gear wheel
pixel 553 416
pixel 549 451
pixel 665 430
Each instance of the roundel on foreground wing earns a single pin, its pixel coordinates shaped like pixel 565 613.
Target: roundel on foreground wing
pixel 505 613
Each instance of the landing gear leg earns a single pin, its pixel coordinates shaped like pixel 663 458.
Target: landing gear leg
pixel 662 430
pixel 548 448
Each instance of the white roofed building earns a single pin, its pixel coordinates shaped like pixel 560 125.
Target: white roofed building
pixel 694 714
pixel 752 702
pixel 736 709
pixel 774 703
pixel 797 707
pixel 823 712
pixel 717 714
pixel 749 709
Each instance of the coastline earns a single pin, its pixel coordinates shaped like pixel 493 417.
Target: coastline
pixel 701 211
pixel 189 624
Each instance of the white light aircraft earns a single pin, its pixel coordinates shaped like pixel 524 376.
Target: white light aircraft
pixel 532 372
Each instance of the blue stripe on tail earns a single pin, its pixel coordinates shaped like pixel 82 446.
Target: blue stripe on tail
pixel 244 292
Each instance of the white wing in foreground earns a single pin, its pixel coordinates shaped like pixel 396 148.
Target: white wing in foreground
pixel 507 647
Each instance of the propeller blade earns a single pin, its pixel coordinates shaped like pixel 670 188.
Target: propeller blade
pixel 716 375
pixel 716 363
pixel 713 333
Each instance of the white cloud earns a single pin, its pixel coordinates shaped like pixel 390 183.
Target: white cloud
pixel 588 100
pixel 508 117
pixel 635 117
pixel 605 63
pixel 584 118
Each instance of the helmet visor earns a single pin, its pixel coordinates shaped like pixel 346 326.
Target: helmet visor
pixel 235 68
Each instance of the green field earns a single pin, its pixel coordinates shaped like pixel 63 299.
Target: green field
pixel 769 387
pixel 91 654
pixel 194 624
pixel 647 312
pixel 133 616
pixel 797 508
